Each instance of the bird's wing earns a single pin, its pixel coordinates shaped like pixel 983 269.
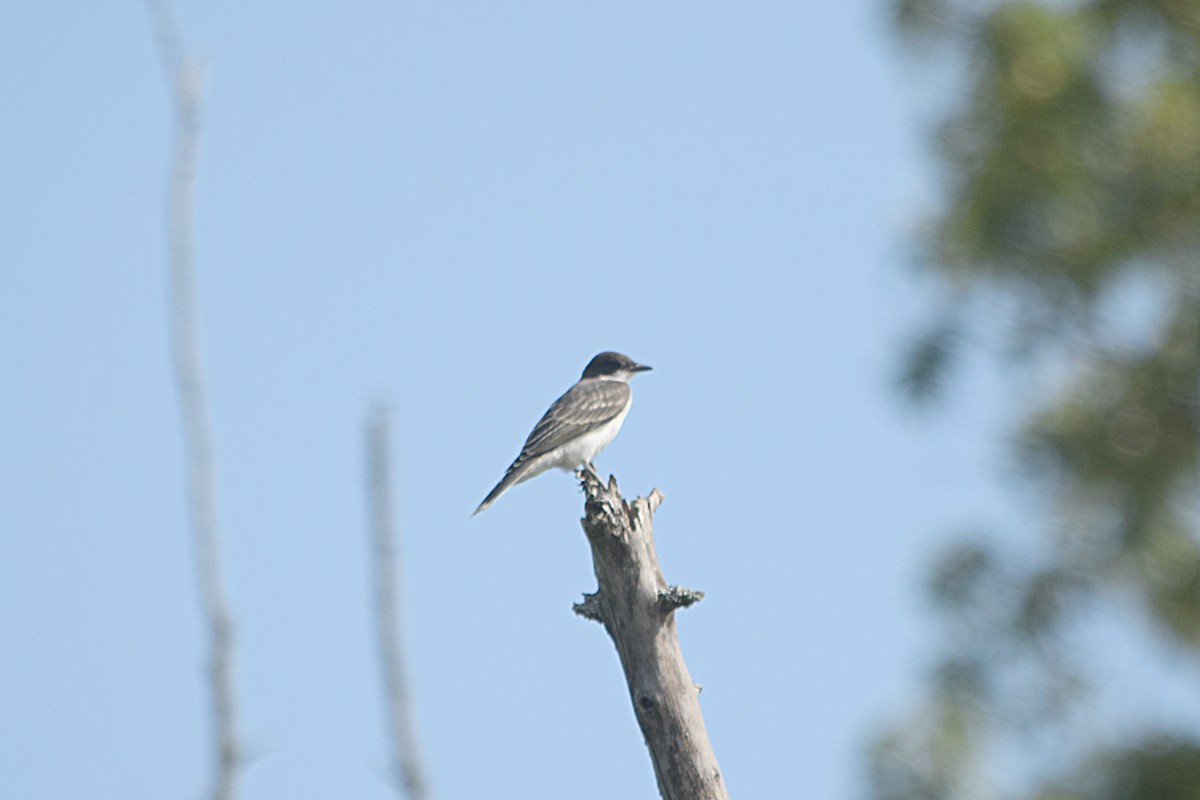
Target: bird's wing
pixel 586 406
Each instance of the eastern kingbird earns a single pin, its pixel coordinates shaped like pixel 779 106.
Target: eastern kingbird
pixel 579 425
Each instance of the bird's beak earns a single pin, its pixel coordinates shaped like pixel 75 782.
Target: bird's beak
pixel 642 368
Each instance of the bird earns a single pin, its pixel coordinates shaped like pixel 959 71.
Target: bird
pixel 578 425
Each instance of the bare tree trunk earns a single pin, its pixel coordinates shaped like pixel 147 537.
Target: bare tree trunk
pixel 184 77
pixel 406 751
pixel 637 608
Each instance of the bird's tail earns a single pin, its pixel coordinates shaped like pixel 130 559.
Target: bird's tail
pixel 513 475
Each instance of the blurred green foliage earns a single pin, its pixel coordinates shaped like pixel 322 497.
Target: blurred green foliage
pixel 1071 184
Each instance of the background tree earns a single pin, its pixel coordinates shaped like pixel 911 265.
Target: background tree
pixel 1068 240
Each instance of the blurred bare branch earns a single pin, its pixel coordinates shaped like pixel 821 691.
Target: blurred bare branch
pixel 406 752
pixel 185 78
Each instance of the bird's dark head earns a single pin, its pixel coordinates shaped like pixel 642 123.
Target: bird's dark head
pixel 613 366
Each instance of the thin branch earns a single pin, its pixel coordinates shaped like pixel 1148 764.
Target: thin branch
pixel 637 609
pixel 406 751
pixel 166 38
pixel 185 78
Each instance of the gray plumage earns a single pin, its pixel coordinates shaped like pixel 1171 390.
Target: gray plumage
pixel 585 407
pixel 578 425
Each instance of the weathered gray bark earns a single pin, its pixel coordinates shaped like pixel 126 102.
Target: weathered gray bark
pixel 637 608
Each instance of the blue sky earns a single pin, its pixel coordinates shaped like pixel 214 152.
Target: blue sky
pixel 449 209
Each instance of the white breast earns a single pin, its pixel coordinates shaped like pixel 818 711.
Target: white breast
pixel 586 447
pixel 580 451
